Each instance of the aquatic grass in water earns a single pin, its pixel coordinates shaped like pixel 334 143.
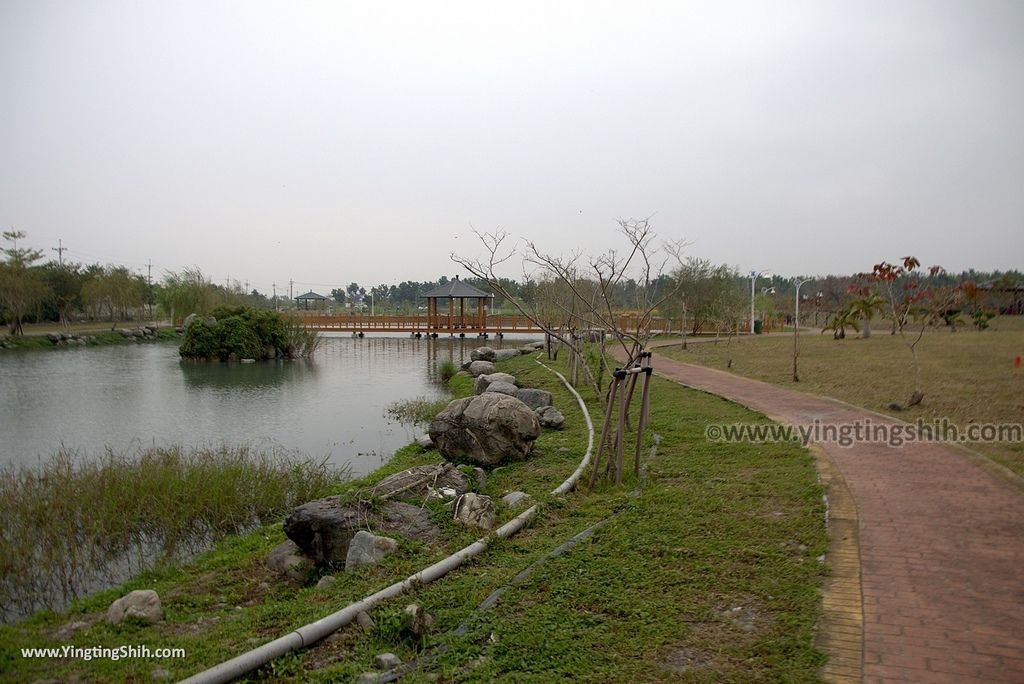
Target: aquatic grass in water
pixel 73 526
pixel 416 411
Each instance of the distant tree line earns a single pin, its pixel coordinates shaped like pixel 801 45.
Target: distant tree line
pixel 705 297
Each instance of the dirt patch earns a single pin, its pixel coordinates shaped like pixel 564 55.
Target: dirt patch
pixel 744 613
pixel 680 659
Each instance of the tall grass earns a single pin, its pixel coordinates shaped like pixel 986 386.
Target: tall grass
pixel 447 370
pixel 416 411
pixel 74 526
pixel 300 341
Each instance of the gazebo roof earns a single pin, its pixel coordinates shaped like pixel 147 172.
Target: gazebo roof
pixel 311 295
pixel 456 289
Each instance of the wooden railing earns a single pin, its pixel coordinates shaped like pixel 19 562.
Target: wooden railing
pixel 444 324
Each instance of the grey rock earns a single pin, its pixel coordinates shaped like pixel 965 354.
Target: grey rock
pixel 485 430
pixel 323 529
pixel 483 381
pixel 248 360
pixel 368 549
pixel 478 368
pixel 160 673
pixel 503 388
pixel 420 483
pixel 537 345
pixel 480 478
pixel 53 337
pixel 364 621
pixel 326 581
pixel 211 321
pixel 387 661
pixel 534 398
pixel 425 442
pixel 124 332
pixel 416 621
pixel 483 354
pixel 368 678
pixel 287 560
pixel 70 629
pixel 515 499
pixel 527 349
pixel 550 417
pixel 141 603
pixel 503 354
pixel 475 510
pixel 188 321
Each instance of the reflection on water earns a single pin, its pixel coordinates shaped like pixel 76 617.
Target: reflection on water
pixel 123 397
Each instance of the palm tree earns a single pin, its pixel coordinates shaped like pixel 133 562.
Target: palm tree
pixel 840 321
pixel 866 307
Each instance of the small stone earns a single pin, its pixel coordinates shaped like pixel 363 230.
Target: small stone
pixel 160 673
pixel 387 661
pixel 515 499
pixel 425 442
pixel 248 361
pixel 480 478
pixel 550 417
pixel 364 621
pixel 416 621
pixel 368 678
pixel 368 549
pixel 143 604
pixel 326 581
pixel 68 630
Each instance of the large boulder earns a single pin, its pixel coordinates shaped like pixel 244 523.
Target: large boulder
pixel 534 398
pixel 483 354
pixel 324 528
pixel 143 604
pixel 478 368
pixel 503 388
pixel 485 430
pixel 483 381
pixel 286 559
pixel 502 354
pixel 475 510
pixel 419 483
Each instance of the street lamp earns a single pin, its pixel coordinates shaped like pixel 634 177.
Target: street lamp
pixel 754 275
pixel 796 326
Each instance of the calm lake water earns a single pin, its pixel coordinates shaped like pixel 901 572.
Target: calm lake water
pixel 124 397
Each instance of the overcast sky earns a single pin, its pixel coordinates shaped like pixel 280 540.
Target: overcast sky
pixel 331 142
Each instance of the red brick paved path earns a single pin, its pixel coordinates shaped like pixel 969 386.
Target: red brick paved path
pixel 941 543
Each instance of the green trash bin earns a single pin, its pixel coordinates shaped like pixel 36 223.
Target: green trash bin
pixel 758 327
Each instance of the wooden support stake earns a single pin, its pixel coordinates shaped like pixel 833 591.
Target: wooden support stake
pixel 620 437
pixel 604 436
pixel 645 403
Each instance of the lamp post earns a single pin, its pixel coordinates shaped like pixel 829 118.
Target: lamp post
pixel 754 275
pixel 796 327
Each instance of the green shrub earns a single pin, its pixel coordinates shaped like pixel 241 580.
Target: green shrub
pixel 246 333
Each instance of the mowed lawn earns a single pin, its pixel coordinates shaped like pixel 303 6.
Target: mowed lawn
pixel 967 376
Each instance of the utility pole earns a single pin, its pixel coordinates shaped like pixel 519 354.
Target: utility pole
pixel 291 294
pixel 149 279
pixel 275 296
pixel 59 249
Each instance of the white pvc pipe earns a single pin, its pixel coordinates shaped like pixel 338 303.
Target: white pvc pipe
pixel 309 634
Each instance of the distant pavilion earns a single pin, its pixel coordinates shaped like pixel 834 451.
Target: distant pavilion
pixel 318 301
pixel 454 316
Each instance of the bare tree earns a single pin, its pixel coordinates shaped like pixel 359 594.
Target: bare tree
pixel 587 293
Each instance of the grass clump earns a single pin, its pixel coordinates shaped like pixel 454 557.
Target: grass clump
pixel 72 526
pixel 416 411
pixel 446 370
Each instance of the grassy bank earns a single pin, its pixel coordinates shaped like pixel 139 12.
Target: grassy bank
pixel 967 376
pixel 709 574
pixel 73 524
pixel 90 334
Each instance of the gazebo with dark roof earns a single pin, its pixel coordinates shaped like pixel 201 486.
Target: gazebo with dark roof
pixel 310 297
pixel 451 291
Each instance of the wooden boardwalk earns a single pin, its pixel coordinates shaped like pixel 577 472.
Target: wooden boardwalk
pixel 445 325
